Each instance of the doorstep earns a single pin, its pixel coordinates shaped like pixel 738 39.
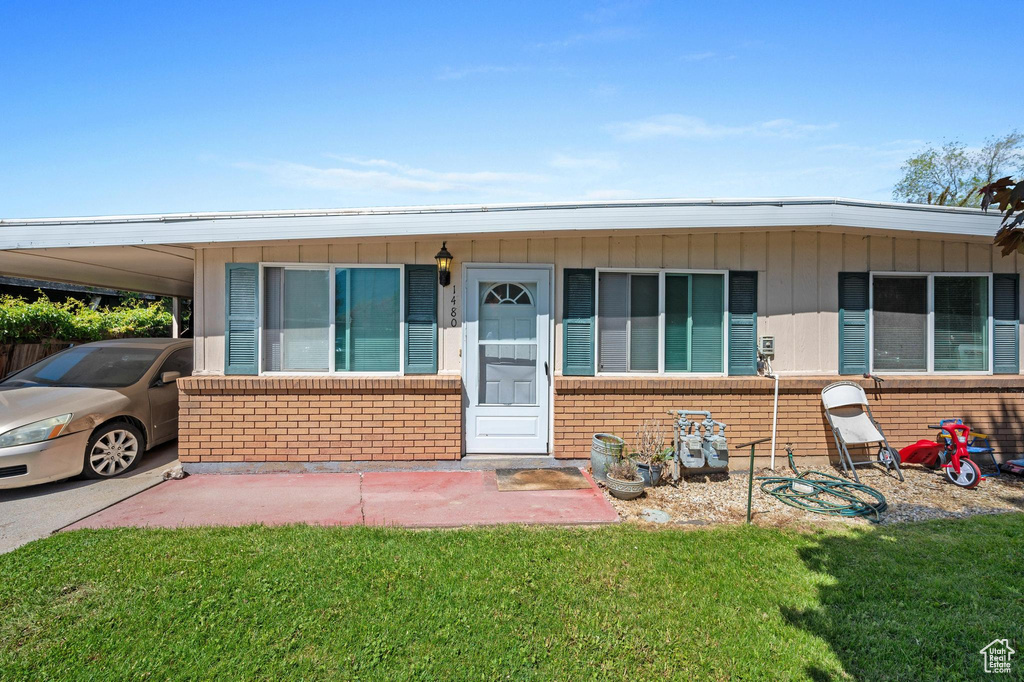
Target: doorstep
pixel 416 499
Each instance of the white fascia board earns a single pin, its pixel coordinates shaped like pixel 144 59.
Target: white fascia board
pixel 213 228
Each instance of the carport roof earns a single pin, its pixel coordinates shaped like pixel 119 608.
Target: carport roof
pixel 154 253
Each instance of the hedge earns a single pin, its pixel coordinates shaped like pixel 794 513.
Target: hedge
pixel 22 321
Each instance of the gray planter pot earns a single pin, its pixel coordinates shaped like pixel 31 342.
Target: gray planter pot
pixel 625 490
pixel 604 450
pixel 651 473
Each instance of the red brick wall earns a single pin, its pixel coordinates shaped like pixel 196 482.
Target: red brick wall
pixel 319 419
pixel 903 406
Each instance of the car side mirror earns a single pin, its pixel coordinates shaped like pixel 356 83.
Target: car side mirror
pixel 169 377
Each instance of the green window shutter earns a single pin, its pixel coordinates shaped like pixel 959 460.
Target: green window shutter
pixel 241 328
pixel 578 322
pixel 1006 323
pixel 743 323
pixel 421 319
pixel 706 318
pixel 853 323
pixel 677 323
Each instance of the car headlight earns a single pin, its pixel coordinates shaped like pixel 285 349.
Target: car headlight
pixel 35 432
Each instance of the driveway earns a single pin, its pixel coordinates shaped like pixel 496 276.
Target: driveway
pixel 31 513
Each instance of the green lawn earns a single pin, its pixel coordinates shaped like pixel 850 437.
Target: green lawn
pixel 894 602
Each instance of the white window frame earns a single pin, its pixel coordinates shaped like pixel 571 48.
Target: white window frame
pixel 661 273
pixel 331 269
pixel 930 333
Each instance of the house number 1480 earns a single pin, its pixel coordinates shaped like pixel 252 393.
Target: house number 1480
pixel 454 320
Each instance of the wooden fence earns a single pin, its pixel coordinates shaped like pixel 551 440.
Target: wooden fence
pixel 15 356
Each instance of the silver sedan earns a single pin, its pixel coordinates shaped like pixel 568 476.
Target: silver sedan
pixel 90 410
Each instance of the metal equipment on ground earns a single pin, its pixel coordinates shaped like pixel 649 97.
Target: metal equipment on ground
pixel 699 445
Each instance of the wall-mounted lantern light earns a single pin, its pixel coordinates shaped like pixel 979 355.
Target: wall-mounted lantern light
pixel 444 266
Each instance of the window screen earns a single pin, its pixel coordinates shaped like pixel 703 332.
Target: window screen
pixel 961 324
pixel 900 323
pixel 296 318
pixel 627 322
pixel 612 314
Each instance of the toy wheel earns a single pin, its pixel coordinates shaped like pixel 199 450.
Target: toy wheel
pixel 970 474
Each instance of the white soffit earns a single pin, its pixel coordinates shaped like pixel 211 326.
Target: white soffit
pixel 668 214
pixel 165 271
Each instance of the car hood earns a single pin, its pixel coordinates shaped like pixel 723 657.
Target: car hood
pixel 20 406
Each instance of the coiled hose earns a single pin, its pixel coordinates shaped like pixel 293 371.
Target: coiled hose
pixel 822 493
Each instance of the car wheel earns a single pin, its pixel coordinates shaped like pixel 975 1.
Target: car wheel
pixel 112 450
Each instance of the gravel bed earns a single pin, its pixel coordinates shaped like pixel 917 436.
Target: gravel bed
pixel 722 499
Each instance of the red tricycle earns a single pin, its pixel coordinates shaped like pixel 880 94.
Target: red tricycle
pixel 949 452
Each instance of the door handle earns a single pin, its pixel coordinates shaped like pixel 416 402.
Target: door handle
pixel 546 372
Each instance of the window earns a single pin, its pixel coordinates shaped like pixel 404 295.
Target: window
pixel 309 310
pixel 179 361
pixel 88 366
pixel 507 294
pixel 901 323
pixel 961 324
pixel 930 322
pixel 651 322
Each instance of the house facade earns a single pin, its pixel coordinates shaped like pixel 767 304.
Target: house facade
pixel 325 339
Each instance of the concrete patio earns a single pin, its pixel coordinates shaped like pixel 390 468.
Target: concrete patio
pixel 410 499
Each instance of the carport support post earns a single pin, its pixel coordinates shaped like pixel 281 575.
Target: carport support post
pixel 175 317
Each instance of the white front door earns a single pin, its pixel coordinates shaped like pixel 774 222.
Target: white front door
pixel 506 359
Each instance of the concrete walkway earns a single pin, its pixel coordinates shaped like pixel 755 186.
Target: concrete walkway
pixel 411 499
pixel 35 512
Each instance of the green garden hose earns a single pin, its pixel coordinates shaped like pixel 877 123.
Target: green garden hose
pixel 822 493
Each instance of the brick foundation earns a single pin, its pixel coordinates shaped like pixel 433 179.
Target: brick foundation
pixel 904 407
pixel 339 419
pixel 319 419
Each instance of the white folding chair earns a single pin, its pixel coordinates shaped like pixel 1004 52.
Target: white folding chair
pixel 849 414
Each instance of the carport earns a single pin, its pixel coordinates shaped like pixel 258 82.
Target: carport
pixel 102 252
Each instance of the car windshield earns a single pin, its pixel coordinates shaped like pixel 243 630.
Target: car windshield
pixel 90 366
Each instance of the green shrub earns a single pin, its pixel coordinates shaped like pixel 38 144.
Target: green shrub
pixel 23 321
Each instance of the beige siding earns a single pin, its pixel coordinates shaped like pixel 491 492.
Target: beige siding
pixel 797 283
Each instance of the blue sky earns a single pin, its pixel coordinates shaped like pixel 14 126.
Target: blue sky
pixel 154 107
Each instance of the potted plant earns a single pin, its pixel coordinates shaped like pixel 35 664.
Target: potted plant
pixel 624 480
pixel 605 450
pixel 650 451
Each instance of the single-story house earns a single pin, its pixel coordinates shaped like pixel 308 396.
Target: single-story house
pixel 326 338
